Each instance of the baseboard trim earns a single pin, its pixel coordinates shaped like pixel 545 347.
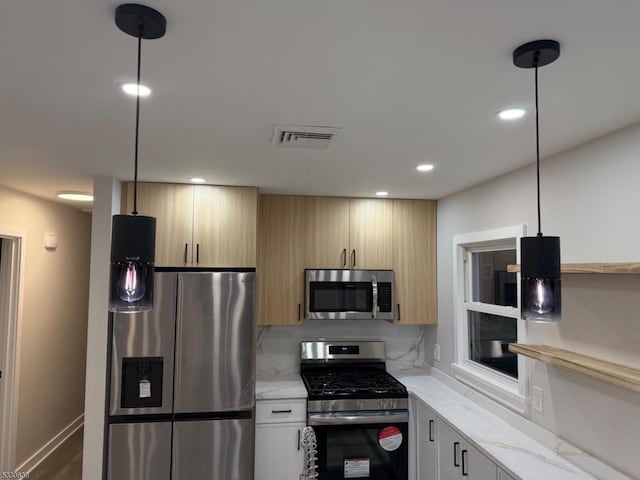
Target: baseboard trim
pixel 51 446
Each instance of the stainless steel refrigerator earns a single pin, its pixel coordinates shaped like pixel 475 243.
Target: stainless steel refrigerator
pixel 182 380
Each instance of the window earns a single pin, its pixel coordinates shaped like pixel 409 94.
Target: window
pixel 487 314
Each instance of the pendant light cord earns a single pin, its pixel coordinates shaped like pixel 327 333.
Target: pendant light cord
pixel 135 162
pixel 535 65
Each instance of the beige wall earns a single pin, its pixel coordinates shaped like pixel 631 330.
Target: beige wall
pixel 591 199
pixel 54 319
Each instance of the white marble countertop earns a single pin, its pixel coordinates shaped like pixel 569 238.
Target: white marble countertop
pixel 280 386
pixel 516 453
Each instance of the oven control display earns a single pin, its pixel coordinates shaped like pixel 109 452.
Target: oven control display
pixel 356 467
pixel 390 438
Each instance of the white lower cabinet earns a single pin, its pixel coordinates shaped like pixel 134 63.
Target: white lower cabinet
pixel 504 476
pixel 426 443
pixel 279 425
pixel 458 460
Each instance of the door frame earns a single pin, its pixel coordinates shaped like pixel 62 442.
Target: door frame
pixel 11 303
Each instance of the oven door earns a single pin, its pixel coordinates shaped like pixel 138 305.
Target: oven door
pixel 349 294
pixel 374 451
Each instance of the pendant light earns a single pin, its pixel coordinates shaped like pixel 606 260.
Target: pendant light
pixel 133 237
pixel 540 255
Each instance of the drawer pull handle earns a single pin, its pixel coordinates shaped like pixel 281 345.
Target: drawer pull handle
pixel 431 431
pixel 281 411
pixel 456 463
pixel 186 247
pixel 465 472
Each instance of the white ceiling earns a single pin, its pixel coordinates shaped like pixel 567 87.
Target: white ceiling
pixel 408 81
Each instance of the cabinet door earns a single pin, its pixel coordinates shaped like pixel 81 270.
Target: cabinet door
pixel 449 448
pixel 326 232
pixel 414 260
pixel 172 206
pixel 280 260
pixel 279 455
pixel 370 233
pixel 504 476
pixel 475 466
pixel 224 226
pixel 427 451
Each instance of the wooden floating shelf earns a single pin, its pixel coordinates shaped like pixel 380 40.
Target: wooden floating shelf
pixel 628 268
pixel 616 374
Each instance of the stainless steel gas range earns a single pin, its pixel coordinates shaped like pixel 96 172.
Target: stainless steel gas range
pixel 357 409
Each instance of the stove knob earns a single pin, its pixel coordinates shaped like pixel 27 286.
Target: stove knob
pixel 324 405
pixel 359 404
pixel 381 403
pixel 335 406
pixel 392 404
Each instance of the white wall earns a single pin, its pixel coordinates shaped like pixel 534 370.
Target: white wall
pixel 591 199
pixel 106 191
pixel 53 322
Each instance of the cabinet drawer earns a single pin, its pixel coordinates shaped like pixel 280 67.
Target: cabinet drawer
pixel 281 411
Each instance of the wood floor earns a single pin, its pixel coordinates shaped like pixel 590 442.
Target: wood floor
pixel 64 464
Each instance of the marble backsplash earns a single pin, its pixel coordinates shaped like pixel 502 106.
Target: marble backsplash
pixel 278 348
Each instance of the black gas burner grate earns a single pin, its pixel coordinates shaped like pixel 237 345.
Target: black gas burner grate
pixel 357 383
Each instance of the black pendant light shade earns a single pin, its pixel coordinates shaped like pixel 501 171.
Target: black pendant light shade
pixel 133 243
pixel 133 237
pixel 541 298
pixel 540 290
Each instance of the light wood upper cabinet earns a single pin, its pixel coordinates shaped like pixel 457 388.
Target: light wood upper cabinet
pixel 280 260
pixel 414 260
pixel 224 227
pixel 200 225
pixel 172 206
pixel 326 232
pixel 370 234
pixel 347 233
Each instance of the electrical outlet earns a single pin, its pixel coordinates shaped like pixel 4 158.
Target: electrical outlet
pixel 436 352
pixel 536 399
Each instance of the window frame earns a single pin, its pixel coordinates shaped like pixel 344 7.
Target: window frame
pixel 508 391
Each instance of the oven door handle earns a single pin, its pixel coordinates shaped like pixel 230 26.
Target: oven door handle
pixel 374 301
pixel 356 419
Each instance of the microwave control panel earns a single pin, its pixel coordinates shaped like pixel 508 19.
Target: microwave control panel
pixel 384 297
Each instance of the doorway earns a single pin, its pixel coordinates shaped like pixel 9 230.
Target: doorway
pixel 11 261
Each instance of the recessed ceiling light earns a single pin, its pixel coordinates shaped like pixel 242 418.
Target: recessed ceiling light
pixel 512 113
pixel 132 89
pixel 75 196
pixel 197 180
pixel 427 167
pixel 382 194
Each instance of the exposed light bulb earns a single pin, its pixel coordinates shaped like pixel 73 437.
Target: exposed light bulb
pixel 427 167
pixel 382 194
pixel 131 284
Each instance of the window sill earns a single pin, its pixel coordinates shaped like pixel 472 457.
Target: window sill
pixel 505 392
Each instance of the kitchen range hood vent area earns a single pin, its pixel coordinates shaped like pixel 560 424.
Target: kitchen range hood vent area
pixel 303 136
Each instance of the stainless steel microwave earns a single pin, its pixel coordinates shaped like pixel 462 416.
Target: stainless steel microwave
pixel 349 294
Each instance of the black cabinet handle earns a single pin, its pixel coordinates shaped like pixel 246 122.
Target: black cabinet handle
pixel 344 257
pixel 431 430
pixel 186 247
pixel 464 463
pixel 299 312
pixel 353 258
pixel 281 411
pixel 399 312
pixel 455 454
pixel 298 439
pixel 197 253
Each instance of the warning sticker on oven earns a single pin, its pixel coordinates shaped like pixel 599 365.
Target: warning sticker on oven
pixel 356 467
pixel 390 438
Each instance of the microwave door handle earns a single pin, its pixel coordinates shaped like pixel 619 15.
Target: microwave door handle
pixel 374 287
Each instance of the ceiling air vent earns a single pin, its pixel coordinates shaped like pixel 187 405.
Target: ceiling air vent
pixel 303 136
